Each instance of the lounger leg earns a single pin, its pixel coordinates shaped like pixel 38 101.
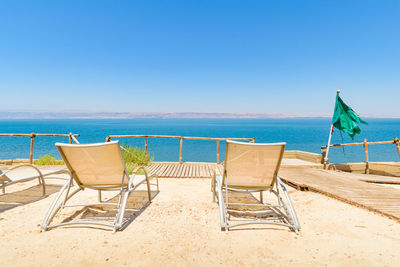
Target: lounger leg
pixel 54 208
pixel 121 211
pixel 148 188
pixel 222 210
pixel 158 187
pixel 290 211
pixel 99 195
pixel 213 187
pixel 41 181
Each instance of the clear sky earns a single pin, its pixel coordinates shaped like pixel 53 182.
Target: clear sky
pixel 219 56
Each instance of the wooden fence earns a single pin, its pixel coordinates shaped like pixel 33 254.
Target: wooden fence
pixel 181 138
pixel 395 141
pixel 71 137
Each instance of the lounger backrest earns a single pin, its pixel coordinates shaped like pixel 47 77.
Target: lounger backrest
pixel 252 165
pixel 99 164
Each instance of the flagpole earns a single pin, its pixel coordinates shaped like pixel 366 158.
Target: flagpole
pixel 329 141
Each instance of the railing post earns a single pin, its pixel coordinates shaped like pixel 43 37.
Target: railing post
pixel 366 156
pixel 180 151
pixel 31 148
pixel 396 141
pixel 108 139
pixel 252 141
pixel 145 145
pixel 217 151
pixel 70 138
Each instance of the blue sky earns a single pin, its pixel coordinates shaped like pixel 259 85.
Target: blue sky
pixel 218 56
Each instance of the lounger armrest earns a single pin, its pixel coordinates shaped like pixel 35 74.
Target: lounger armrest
pixel 136 170
pixel 147 179
pixel 213 178
pixel 40 175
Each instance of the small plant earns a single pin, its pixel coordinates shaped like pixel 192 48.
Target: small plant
pixel 134 156
pixel 48 160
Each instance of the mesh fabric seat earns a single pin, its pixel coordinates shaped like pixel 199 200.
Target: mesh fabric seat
pixel 251 168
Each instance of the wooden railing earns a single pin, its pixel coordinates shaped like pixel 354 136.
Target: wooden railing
pixel 181 141
pixel 395 141
pixel 71 137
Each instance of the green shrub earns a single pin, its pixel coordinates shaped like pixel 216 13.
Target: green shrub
pixel 134 156
pixel 48 160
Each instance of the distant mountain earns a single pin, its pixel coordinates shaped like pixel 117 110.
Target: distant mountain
pixel 134 115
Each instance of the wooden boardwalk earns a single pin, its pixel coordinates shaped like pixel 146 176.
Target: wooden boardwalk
pixel 380 199
pixel 184 170
pixel 343 186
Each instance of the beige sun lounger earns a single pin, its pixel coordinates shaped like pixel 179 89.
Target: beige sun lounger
pixel 98 166
pixel 7 178
pixel 253 168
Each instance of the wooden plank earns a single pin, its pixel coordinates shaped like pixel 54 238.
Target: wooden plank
pixel 179 171
pixel 187 170
pixel 169 171
pixel 184 170
pixel 373 197
pixel 166 170
pixel 159 169
pixel 174 171
pixel 202 171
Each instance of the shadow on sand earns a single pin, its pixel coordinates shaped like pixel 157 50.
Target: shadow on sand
pixel 239 213
pixel 137 203
pixel 26 196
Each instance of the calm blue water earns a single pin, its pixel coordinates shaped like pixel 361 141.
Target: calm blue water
pixel 299 134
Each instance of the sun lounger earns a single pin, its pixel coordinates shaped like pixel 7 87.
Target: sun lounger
pixel 100 167
pixel 253 168
pixel 7 178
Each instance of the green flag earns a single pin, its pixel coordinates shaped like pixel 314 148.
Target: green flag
pixel 345 119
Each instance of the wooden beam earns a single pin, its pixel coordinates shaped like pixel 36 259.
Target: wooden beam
pixel 28 135
pixel 366 156
pixel 145 145
pixel 180 137
pixel 218 151
pixel 396 142
pixel 361 144
pixel 180 151
pixel 31 148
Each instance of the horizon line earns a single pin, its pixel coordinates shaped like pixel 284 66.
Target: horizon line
pixel 162 115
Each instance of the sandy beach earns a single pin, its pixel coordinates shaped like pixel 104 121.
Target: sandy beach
pixel 181 227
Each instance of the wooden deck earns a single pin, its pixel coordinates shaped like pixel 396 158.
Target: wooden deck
pixel 381 199
pixel 184 170
pixel 355 189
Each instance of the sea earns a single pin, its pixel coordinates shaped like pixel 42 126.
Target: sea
pixel 307 134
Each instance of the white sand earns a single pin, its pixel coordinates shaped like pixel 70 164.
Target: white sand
pixel 181 227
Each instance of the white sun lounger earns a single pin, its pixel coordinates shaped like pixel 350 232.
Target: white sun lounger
pixel 98 166
pixel 252 168
pixel 6 179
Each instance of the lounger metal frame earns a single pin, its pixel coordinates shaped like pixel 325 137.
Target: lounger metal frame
pixel 6 181
pixel 124 192
pixel 284 209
